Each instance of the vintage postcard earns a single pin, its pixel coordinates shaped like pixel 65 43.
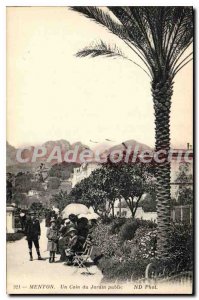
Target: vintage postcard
pixel 99 150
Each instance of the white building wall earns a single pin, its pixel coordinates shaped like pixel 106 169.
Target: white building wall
pixel 83 172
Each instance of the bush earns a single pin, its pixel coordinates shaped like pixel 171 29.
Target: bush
pixel 116 225
pixel 181 241
pixel 148 204
pixel 128 248
pixel 106 243
pixel 146 240
pixel 106 219
pixel 113 269
pixel 128 230
pixel 12 237
pixel 117 240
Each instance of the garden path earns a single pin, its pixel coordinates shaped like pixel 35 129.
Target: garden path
pixel 37 277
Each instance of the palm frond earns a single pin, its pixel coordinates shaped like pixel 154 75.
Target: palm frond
pixel 103 49
pixel 171 25
pixel 178 56
pixel 180 66
pixel 117 28
pixel 100 49
pixel 135 29
pixel 190 56
pixel 183 33
pixel 137 32
pixel 103 18
pixel 158 35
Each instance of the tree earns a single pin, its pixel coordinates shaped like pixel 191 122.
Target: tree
pixel 60 200
pixel 62 170
pixel 21 185
pixel 160 37
pixel 36 206
pixel 112 181
pixel 53 183
pixel 185 196
pixel 184 180
pixel 133 181
pixel 148 204
pixel 23 182
pixel 9 187
pixel 89 192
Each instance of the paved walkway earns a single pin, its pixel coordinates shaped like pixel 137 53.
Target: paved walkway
pixel 24 276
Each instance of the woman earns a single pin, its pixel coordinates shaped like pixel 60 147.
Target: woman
pixel 72 245
pixel 63 238
pixel 52 235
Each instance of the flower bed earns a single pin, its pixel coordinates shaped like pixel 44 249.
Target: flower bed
pixel 128 246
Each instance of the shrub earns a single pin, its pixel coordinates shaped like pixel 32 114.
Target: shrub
pixel 127 253
pixel 116 225
pixel 181 241
pixel 113 269
pixel 107 244
pixel 106 219
pixel 146 240
pixel 128 230
pixel 148 204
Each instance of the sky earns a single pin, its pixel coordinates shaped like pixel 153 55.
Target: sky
pixel 52 94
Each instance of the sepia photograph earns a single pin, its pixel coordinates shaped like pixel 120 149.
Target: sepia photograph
pixel 99 150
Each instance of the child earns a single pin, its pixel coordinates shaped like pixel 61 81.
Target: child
pixel 52 236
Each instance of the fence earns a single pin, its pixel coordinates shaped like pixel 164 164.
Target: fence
pixel 182 214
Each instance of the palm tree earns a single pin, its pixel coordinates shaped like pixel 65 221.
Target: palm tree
pixel 160 37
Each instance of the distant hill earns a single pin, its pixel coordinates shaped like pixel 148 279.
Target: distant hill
pixel 132 144
pixel 65 145
pixel 14 166
pixel 10 154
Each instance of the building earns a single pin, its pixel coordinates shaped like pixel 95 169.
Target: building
pixel 83 171
pixel 125 212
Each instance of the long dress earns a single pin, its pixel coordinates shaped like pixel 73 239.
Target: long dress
pixel 52 236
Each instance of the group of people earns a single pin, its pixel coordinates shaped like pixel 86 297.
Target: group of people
pixel 65 236
pixel 68 236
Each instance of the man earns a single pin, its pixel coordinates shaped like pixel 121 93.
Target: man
pixel 33 232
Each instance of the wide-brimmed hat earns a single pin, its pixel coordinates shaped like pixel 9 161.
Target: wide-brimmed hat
pixel 53 220
pixel 71 229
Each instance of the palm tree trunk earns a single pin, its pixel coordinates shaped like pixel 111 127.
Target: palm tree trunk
pixel 162 92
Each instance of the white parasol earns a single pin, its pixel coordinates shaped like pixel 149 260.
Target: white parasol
pixel 74 208
pixel 83 216
pixel 92 216
pixel 89 216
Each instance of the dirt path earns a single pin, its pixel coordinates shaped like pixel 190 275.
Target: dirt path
pixel 24 276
